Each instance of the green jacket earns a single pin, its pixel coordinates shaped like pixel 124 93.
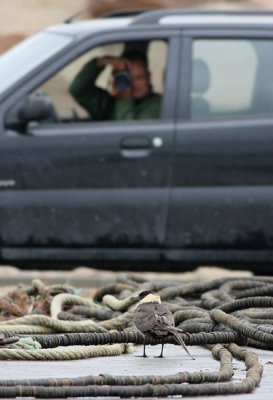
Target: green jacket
pixel 102 106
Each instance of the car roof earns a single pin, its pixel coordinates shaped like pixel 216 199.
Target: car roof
pixel 171 17
pixel 83 28
pixel 204 16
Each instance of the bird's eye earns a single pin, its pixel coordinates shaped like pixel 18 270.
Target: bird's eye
pixel 143 294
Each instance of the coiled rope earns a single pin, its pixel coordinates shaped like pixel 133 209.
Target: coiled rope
pixel 220 314
pixel 218 351
pixel 122 386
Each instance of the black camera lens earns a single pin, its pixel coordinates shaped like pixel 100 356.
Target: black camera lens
pixel 121 79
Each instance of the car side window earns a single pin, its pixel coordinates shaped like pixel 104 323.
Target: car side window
pixel 231 77
pixel 84 89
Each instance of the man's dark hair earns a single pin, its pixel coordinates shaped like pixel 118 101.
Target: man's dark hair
pixel 136 55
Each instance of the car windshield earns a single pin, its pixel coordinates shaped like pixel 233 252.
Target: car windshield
pixel 27 55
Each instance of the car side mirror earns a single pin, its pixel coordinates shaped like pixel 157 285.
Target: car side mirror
pixel 34 109
pixel 31 109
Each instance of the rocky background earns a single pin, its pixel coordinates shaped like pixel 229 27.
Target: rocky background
pixel 20 18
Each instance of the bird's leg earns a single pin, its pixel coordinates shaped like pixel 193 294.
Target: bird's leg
pixel 144 343
pixel 161 354
pixel 144 354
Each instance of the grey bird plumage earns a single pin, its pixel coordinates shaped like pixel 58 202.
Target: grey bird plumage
pixel 155 320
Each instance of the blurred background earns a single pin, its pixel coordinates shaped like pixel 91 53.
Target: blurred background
pixel 20 18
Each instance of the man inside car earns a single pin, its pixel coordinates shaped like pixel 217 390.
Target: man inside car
pixel 130 96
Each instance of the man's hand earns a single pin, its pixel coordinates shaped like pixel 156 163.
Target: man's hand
pixel 118 64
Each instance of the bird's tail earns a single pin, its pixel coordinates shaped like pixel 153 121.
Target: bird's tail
pixel 175 332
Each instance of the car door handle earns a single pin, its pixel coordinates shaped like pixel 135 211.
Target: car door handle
pixel 137 142
pixel 135 147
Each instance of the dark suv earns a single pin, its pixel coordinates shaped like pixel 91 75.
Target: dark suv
pixel 194 185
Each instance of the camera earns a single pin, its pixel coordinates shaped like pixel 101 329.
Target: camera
pixel 122 79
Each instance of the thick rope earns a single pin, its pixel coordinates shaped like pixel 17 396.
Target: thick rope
pixel 33 324
pixel 66 354
pixel 116 304
pixel 67 299
pixel 43 322
pixel 135 337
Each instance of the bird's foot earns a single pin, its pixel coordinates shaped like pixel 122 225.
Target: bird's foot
pixel 143 356
pixel 161 356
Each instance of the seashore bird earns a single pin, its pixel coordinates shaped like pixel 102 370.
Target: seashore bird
pixel 155 320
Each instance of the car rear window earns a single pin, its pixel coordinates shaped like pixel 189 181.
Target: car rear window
pixel 231 77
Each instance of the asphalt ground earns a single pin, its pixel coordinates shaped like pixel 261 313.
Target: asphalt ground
pixel 175 360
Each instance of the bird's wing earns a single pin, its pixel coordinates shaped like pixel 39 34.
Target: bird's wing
pixel 153 316
pixel 163 315
pixel 144 318
pixel 163 319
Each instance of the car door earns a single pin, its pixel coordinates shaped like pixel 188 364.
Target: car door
pixel 221 204
pixel 94 185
